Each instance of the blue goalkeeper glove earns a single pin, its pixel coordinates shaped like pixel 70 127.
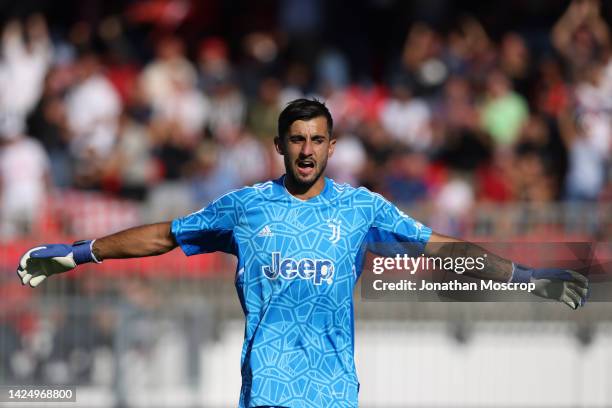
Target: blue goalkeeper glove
pixel 564 285
pixel 43 261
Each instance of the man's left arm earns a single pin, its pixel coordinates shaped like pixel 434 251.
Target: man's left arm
pixel 564 285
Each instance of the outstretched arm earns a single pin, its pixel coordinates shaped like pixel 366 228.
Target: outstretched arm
pixel 145 240
pixel 567 286
pixel 45 260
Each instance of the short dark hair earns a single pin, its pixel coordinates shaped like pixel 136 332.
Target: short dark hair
pixel 303 109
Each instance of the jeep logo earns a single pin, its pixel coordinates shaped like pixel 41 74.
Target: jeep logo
pixel 319 270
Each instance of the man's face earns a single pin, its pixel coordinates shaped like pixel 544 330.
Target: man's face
pixel 306 148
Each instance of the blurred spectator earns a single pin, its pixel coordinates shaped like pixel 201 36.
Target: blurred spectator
pixel 160 76
pixel 246 156
pixel 421 64
pixel 24 167
pixel 332 70
pixel 92 108
pixel 263 112
pixel 470 51
pixel 540 138
pixel 589 136
pixel 302 22
pixel 217 78
pixel 213 66
pixel 552 93
pixel 503 111
pixel 132 163
pixel 184 110
pixel 24 65
pixel 460 142
pixel 453 203
pixel 260 61
pixel 379 146
pixel 353 106
pixel 48 123
pixel 173 149
pixel 122 70
pixel 496 180
pixel 297 82
pixel 534 183
pixel 407 119
pixel 581 35
pixel 210 176
pixel 405 179
pixel 179 110
pixel 227 109
pixel 515 63
pixel 349 159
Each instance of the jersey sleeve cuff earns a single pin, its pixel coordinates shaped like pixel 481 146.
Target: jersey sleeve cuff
pixel 177 237
pixel 425 234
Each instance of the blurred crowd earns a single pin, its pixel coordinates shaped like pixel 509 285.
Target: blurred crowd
pixel 454 117
pixel 457 118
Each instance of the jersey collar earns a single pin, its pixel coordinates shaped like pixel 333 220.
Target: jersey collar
pixel 325 195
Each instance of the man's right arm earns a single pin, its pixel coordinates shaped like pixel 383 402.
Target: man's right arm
pixel 145 240
pixel 207 230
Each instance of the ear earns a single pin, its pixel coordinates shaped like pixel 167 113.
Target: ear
pixel 331 148
pixel 280 147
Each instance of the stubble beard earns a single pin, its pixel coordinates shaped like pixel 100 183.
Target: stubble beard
pixel 304 184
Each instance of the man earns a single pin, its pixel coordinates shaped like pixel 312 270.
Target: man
pixel 298 240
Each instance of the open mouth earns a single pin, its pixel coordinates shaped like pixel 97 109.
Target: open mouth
pixel 305 167
pixel 305 164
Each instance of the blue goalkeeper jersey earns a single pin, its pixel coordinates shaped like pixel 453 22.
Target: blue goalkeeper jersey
pixel 298 262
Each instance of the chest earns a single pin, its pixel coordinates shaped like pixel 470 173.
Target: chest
pixel 311 248
pixel 314 231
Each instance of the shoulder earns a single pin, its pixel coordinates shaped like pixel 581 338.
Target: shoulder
pixel 263 186
pixel 254 193
pixel 366 195
pixel 341 188
pixel 335 191
pixel 358 195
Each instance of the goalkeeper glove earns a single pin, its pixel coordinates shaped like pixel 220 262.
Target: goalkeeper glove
pixel 40 262
pixel 564 285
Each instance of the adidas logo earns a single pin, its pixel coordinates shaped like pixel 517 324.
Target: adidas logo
pixel 265 232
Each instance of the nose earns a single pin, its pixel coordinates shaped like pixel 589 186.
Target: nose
pixel 307 148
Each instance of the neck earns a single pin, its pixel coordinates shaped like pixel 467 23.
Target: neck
pixel 304 191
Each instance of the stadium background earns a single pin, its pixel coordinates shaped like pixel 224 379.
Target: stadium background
pixel 485 120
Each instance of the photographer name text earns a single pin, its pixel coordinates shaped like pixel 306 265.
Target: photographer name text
pixel 454 285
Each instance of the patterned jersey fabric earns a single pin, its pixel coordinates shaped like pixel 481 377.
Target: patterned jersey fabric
pixel 298 262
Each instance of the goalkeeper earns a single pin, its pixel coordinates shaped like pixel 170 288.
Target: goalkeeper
pixel 299 243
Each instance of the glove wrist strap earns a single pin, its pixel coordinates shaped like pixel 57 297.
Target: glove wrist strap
pixel 93 256
pixel 83 253
pixel 520 274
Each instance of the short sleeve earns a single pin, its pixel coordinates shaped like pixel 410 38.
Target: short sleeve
pixel 208 230
pixel 392 225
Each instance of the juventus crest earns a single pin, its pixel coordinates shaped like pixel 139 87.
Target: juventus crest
pixel 335 230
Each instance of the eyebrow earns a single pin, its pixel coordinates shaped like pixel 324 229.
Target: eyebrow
pixel 301 135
